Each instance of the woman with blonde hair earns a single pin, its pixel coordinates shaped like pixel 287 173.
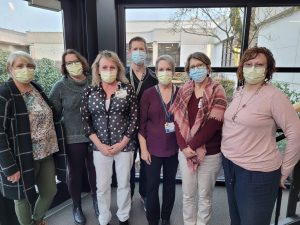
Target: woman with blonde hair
pixel 31 142
pixel 109 114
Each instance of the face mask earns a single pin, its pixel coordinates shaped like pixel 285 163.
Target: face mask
pixel 138 57
pixel 75 69
pixel 24 75
pixel 108 76
pixel 164 77
pixel 254 75
pixel 198 74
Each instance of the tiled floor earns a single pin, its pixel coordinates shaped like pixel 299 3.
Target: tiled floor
pixel 62 214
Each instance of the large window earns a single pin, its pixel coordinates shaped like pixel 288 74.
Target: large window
pixel 36 31
pixel 182 31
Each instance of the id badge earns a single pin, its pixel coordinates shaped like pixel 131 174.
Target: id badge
pixel 169 127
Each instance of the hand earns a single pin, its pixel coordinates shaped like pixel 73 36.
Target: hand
pixel 105 149
pixel 145 155
pixel 116 148
pixel 15 177
pixel 282 180
pixel 188 152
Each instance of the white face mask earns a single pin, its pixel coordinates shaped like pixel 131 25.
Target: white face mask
pixel 254 75
pixel 108 76
pixel 24 75
pixel 75 69
pixel 164 77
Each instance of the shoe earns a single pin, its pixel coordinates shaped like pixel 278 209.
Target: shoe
pixel 79 218
pixel 165 222
pixel 41 222
pixel 95 205
pixel 124 222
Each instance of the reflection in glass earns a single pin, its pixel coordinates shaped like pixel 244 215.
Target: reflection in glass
pixel 215 31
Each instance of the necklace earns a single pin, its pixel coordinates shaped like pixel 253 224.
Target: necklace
pixel 245 104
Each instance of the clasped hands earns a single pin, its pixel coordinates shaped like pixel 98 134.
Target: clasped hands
pixel 111 150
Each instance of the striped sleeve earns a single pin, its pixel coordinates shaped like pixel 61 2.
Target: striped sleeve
pixel 7 162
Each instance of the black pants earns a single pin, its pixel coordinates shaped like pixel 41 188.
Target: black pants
pixel 80 159
pixel 169 165
pixel 142 175
pixel 7 212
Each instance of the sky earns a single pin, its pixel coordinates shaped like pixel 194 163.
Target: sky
pixel 17 15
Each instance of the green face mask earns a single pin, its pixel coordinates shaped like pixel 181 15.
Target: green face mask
pixel 108 76
pixel 75 69
pixel 254 75
pixel 24 75
pixel 164 77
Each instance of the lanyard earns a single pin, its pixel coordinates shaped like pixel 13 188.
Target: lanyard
pixel 168 114
pixel 137 91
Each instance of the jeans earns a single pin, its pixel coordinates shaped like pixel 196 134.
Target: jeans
pixel 251 194
pixel 44 171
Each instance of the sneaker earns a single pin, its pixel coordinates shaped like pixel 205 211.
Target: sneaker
pixel 124 222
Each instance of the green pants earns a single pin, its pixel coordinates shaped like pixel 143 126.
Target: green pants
pixel 44 171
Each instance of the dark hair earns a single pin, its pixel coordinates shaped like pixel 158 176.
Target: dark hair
pixel 85 65
pixel 200 56
pixel 137 38
pixel 251 53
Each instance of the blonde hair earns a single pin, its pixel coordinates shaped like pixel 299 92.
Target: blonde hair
pixel 113 57
pixel 168 59
pixel 16 55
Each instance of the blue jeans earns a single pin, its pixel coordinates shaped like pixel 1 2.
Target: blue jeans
pixel 251 194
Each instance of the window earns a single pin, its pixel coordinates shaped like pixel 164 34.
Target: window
pixel 227 59
pixel 171 49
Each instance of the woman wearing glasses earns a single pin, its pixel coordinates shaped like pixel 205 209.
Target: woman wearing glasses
pixel 66 98
pixel 198 114
pixel 109 113
pixel 254 168
pixel 30 142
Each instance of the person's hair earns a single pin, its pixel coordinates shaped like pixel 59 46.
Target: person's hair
pixel 16 55
pixel 96 78
pixel 199 56
pixel 252 53
pixel 85 65
pixel 168 59
pixel 137 38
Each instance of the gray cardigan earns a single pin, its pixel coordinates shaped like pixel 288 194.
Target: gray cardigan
pixel 66 98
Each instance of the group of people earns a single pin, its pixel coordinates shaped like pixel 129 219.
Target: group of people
pixel 112 114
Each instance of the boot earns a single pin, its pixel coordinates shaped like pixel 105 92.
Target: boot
pixel 78 215
pixel 95 204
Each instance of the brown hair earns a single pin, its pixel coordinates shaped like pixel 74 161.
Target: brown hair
pixel 251 53
pixel 199 56
pixel 85 65
pixel 113 57
pixel 137 38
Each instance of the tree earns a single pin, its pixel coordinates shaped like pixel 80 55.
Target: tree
pixel 46 74
pixel 225 24
pixel 3 60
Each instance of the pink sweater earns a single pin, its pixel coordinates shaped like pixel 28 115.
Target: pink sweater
pixel 250 142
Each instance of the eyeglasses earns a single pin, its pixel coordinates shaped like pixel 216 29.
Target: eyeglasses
pixel 72 62
pixel 197 66
pixel 256 66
